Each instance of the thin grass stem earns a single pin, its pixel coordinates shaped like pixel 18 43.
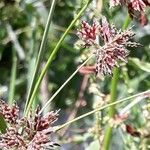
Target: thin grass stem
pixel 103 107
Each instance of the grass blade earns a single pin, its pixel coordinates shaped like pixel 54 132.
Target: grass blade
pixel 13 78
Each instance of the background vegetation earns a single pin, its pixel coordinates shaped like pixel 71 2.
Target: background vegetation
pixel 22 23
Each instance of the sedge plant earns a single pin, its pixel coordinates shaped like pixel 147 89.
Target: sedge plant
pixel 34 129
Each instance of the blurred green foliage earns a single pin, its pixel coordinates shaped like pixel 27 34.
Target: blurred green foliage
pixel 26 19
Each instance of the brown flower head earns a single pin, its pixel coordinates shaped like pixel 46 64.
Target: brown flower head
pixel 37 122
pixel 31 133
pixel 10 113
pixel 114 48
pixel 12 139
pixel 47 120
pixel 41 141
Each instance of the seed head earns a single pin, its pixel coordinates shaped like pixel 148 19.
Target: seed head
pixel 32 133
pixel 10 113
pixel 114 48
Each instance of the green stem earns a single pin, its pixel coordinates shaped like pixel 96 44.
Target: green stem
pixel 50 59
pixel 111 110
pixel 126 22
pixel 101 108
pixel 41 50
pixel 113 95
pixel 13 78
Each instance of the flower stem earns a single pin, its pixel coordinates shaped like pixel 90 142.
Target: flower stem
pixel 73 74
pixel 113 95
pixel 51 57
pixel 146 93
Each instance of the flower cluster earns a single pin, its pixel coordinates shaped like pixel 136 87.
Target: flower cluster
pixel 31 133
pixel 88 33
pixel 138 5
pixel 134 7
pixel 10 113
pixel 114 48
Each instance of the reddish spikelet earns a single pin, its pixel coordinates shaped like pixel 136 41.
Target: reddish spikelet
pixel 105 31
pixel 12 139
pixel 107 58
pixel 10 113
pixel 88 33
pixel 41 141
pixel 138 5
pixel 46 121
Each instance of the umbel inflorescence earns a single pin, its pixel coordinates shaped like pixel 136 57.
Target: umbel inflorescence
pixel 24 133
pixel 115 44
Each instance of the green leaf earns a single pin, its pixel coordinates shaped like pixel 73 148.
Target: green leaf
pixel 145 66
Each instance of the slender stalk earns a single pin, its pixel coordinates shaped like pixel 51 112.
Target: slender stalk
pixel 111 110
pixel 77 105
pixel 13 78
pixel 103 107
pixel 41 50
pixel 51 57
pixel 73 74
pixel 113 93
